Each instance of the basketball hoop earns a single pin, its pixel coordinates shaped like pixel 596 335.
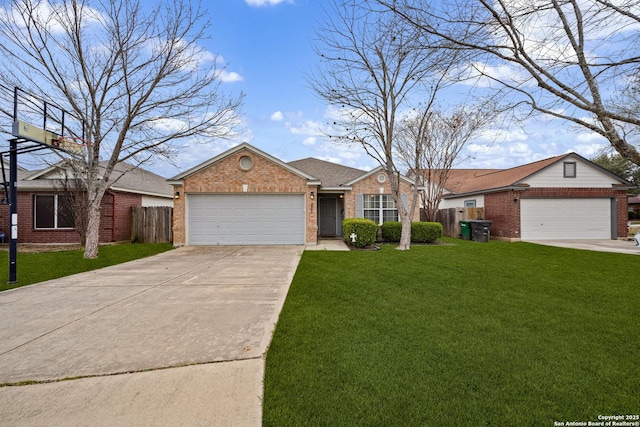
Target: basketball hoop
pixel 71 144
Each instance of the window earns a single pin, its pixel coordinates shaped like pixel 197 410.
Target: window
pixel 569 169
pixel 379 206
pixel 53 211
pixel 245 163
pixel 469 203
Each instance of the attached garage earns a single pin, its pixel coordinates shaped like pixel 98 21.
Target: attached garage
pixel 567 218
pixel 245 219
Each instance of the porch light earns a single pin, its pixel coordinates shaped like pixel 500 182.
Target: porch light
pixel 312 195
pixel 177 195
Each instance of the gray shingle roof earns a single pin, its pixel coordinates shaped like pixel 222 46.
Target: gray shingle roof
pixel 125 177
pixel 331 175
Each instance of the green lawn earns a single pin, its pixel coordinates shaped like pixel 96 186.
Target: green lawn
pixel 464 334
pixel 38 267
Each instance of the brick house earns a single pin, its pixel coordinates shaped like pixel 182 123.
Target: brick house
pixel 563 197
pixel 44 207
pixel 246 196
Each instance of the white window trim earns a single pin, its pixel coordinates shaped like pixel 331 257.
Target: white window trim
pixel 55 214
pixel 381 209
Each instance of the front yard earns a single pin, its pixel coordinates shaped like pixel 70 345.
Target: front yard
pixel 460 334
pixel 38 266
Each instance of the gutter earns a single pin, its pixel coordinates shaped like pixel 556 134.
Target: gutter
pixel 493 190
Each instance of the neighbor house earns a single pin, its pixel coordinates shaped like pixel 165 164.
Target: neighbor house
pixel 634 207
pixel 44 206
pixel 246 196
pixel 563 197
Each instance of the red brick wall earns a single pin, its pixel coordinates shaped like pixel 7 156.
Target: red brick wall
pixel 28 234
pixel 121 217
pixel 503 208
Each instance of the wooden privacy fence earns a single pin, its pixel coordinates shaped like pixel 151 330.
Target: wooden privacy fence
pixel 450 219
pixel 151 224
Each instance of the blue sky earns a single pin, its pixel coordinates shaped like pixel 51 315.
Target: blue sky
pixel 267 45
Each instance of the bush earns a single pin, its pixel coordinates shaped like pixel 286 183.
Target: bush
pixel 365 229
pixel 426 232
pixel 391 231
pixel 421 232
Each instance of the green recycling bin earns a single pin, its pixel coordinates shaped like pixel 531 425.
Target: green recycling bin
pixel 465 230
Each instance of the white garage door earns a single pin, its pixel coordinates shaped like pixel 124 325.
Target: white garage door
pixel 550 219
pixel 245 219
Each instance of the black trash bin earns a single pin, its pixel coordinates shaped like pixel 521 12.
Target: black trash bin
pixel 480 230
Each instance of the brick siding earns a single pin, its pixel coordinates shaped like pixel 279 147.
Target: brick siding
pixel 115 224
pixel 370 185
pixel 226 176
pixel 503 208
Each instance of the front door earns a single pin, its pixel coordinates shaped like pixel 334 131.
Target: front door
pixel 327 209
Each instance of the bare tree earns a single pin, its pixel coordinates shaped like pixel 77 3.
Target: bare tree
pixel 373 66
pixel 431 140
pixel 72 186
pixel 134 73
pixel 569 59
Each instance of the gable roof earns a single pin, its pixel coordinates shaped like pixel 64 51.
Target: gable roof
pixel 244 146
pixel 378 170
pixel 125 177
pixel 332 175
pixel 465 181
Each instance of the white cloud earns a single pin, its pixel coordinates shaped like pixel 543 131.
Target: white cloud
pixel 590 137
pixel 277 116
pixel 229 76
pixel 309 127
pixel 310 141
pixel 260 3
pixel 503 135
pixel 588 150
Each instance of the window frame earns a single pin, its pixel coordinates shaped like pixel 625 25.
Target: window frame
pixel 377 208
pixel 56 210
pixel 574 173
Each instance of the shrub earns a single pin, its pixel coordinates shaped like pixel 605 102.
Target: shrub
pixel 426 232
pixel 421 232
pixel 365 229
pixel 391 231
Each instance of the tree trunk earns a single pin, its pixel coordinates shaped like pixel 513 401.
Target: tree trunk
pixel 405 237
pixel 92 237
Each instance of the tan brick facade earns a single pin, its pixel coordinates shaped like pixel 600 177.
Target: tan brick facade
pixel 227 176
pixel 371 185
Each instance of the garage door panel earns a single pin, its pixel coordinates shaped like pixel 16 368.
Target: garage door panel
pixel 548 219
pixel 242 219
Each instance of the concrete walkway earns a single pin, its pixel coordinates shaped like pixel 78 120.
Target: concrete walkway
pixel 604 245
pixel 175 339
pixel 328 245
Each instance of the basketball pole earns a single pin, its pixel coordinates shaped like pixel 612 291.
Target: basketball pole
pixel 13 209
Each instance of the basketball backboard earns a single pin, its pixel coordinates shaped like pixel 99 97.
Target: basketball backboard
pixel 37 120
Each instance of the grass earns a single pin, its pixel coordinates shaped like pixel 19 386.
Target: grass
pixel 460 334
pixel 38 267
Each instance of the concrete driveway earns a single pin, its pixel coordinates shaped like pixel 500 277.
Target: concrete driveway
pixel 620 246
pixel 174 339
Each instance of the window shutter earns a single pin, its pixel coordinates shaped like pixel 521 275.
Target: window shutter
pixel 359 206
